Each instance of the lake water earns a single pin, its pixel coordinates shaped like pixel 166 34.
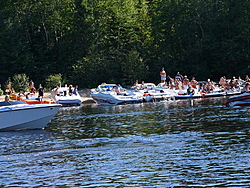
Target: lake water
pixel 183 143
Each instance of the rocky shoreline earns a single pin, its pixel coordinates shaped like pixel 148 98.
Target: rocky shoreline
pixel 85 95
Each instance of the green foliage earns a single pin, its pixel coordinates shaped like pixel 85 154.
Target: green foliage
pixel 1 91
pixel 133 68
pixel 20 82
pixel 90 42
pixel 53 81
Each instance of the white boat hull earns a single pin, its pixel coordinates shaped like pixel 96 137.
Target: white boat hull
pixel 154 96
pixel 67 100
pixel 109 99
pixel 20 117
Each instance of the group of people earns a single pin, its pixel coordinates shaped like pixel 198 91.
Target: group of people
pixel 33 89
pixel 71 90
pixel 180 82
pixel 138 86
pixel 9 91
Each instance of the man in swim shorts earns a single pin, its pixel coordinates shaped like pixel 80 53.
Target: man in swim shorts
pixel 163 75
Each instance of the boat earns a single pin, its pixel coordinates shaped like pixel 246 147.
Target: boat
pixel 156 95
pixel 63 96
pixel 241 100
pixel 17 115
pixel 107 94
pixel 153 93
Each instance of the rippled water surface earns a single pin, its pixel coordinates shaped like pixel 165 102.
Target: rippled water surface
pixel 196 143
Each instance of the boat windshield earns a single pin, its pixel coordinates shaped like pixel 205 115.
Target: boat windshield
pixel 8 103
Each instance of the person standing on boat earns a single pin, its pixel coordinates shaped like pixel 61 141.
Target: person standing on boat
pixel 75 90
pixel 12 91
pixel 70 90
pixel 247 79
pixel 172 83
pixel 32 87
pixel 246 88
pixel 178 76
pixel 193 83
pixel 209 86
pixel 178 84
pixel 185 82
pixel 8 88
pixel 240 81
pixel 56 92
pixel 223 81
pixel 168 80
pixel 40 91
pixel 163 75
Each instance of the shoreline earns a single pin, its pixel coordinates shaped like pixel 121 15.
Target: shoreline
pixel 85 96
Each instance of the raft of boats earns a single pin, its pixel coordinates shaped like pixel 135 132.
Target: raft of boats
pixel 114 94
pixel 31 112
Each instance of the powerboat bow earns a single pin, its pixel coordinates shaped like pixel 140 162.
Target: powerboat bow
pixel 241 100
pixel 17 115
pixel 153 93
pixel 105 94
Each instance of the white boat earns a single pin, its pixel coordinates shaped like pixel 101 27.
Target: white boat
pixel 17 115
pixel 106 94
pixel 241 100
pixel 157 94
pixel 61 95
pixel 152 93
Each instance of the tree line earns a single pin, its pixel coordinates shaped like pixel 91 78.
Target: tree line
pixel 119 41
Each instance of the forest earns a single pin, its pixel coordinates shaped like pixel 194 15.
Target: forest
pixel 119 41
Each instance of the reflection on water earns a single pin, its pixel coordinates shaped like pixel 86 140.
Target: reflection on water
pixel 166 144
